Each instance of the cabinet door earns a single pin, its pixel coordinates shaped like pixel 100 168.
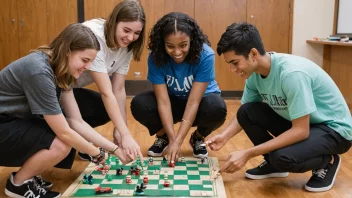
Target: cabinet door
pixel 154 10
pixel 272 18
pixel 60 14
pixel 97 9
pixel 32 20
pixel 213 16
pixel 9 35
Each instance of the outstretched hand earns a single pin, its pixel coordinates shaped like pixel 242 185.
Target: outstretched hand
pixel 173 151
pixel 131 147
pixel 235 161
pixel 217 142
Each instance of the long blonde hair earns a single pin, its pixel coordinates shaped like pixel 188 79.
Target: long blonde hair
pixel 126 11
pixel 75 37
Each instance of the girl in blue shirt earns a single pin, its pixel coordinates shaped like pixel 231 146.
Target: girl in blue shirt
pixel 181 69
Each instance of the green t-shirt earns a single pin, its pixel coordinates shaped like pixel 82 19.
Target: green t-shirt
pixel 297 87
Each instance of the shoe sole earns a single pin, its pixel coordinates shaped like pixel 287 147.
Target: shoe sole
pixel 327 187
pixel 151 153
pixel 11 194
pixel 271 175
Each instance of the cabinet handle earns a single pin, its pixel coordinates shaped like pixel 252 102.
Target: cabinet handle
pixel 13 20
pixel 252 16
pixel 22 23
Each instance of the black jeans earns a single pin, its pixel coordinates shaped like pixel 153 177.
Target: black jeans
pixel 258 119
pixel 210 116
pixel 91 107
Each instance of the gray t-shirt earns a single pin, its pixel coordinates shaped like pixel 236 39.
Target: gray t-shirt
pixel 28 88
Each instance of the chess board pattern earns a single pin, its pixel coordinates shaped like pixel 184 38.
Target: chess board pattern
pixel 187 179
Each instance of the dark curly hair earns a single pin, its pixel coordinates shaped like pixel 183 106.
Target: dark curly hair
pixel 166 26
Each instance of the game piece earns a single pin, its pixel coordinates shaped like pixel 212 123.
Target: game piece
pixel 203 160
pixel 166 183
pixel 90 179
pixel 156 172
pixel 151 161
pixel 172 164
pixel 183 159
pixel 165 176
pixel 102 190
pixel 145 179
pixel 85 179
pixel 128 179
pixel 109 177
pixel 143 186
pixel 139 190
pixel 119 171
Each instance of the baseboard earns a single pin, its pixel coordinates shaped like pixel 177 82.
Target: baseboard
pixel 133 87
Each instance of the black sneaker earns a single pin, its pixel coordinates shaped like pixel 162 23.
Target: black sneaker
pixel 323 179
pixel 29 189
pixel 42 183
pixel 199 150
pixel 263 171
pixel 39 180
pixel 84 156
pixel 159 146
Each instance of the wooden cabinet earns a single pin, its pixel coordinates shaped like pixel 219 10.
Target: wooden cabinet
pixel 27 25
pixel 9 34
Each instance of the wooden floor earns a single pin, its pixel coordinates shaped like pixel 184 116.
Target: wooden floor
pixel 236 185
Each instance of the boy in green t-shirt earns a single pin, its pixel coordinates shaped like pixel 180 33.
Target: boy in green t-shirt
pixel 289 98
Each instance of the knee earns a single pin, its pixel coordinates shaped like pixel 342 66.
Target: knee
pixel 60 148
pixel 213 107
pixel 143 104
pixel 245 110
pixel 282 162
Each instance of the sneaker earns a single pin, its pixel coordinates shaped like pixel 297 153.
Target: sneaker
pixel 159 146
pixel 263 171
pixel 42 183
pixel 323 179
pixel 196 143
pixel 29 189
pixel 84 156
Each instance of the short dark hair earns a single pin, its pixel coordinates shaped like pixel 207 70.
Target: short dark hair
pixel 169 24
pixel 241 38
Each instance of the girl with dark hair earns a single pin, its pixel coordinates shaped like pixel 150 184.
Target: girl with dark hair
pixel 34 131
pixel 181 69
pixel 121 38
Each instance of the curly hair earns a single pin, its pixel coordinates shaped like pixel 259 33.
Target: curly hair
pixel 170 24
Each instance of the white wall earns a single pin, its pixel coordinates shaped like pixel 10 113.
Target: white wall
pixel 312 18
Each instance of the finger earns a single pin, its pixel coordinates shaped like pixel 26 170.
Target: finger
pixel 140 156
pixel 224 167
pixel 168 156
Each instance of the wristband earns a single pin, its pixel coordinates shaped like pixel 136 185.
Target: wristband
pixel 100 157
pixel 114 149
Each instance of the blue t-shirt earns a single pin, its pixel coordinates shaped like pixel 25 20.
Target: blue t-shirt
pixel 180 77
pixel 296 87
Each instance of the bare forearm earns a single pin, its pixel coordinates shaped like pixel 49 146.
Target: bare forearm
pixel 189 115
pixel 121 100
pixel 114 112
pixel 287 138
pixel 232 129
pixel 90 134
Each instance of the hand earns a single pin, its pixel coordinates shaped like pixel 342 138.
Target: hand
pixel 123 156
pixel 117 138
pixel 131 147
pixel 235 161
pixel 173 151
pixel 217 142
